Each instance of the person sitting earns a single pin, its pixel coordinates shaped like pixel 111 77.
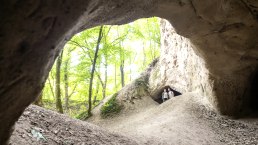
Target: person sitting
pixel 164 95
pixel 170 93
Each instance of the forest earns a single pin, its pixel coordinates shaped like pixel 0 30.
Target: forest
pixel 97 63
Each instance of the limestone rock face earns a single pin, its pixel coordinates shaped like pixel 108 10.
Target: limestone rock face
pixel 223 34
pixel 32 33
pixel 178 67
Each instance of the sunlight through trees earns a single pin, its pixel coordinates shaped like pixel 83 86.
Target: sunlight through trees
pixel 98 62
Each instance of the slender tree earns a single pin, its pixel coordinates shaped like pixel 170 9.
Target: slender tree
pixel 66 83
pixel 121 57
pixel 104 85
pixel 115 78
pixel 39 101
pixel 57 87
pixel 93 70
pixel 114 52
pixel 51 87
pixel 144 56
pixel 67 62
pixel 96 94
pixel 122 73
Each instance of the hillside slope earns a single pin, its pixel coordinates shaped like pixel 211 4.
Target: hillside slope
pixel 184 120
pixel 187 119
pixel 41 126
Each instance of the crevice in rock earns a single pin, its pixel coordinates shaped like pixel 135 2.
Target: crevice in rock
pixel 158 98
pixel 231 26
pixel 254 92
pixel 251 8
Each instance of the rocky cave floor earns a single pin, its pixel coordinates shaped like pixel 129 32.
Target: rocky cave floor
pixel 45 127
pixel 178 121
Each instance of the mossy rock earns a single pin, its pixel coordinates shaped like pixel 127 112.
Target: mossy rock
pixel 141 87
pixel 111 107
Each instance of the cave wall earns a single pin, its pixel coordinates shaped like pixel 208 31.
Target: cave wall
pixel 183 68
pixel 32 33
pixel 223 34
pixel 179 66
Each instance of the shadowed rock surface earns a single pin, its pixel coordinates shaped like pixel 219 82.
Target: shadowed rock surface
pixel 32 33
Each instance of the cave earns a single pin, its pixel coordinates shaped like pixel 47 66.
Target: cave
pixel 158 97
pixel 32 34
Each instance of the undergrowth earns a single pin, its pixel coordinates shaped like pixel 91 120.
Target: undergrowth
pixel 83 115
pixel 111 107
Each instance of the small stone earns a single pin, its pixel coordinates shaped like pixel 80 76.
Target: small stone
pixel 224 125
pixel 26 113
pixel 56 131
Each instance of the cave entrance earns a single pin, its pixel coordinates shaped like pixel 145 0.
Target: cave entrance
pixel 124 52
pixel 158 96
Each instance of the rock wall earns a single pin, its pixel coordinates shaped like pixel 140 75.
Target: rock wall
pixel 223 34
pixel 184 67
pixel 32 33
pixel 179 66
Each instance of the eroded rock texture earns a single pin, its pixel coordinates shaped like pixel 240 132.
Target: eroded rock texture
pixel 178 67
pixel 33 32
pixel 223 34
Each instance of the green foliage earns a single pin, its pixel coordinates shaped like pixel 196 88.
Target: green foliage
pixel 83 115
pixel 111 107
pixel 140 82
pixel 135 44
pixel 141 86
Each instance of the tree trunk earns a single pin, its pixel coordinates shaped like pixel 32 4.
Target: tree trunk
pixel 57 89
pixel 121 55
pixel 122 73
pixel 66 85
pixel 152 49
pixel 115 78
pixel 105 81
pixel 105 84
pixel 106 65
pixel 96 94
pixel 39 101
pixel 51 88
pixel 130 68
pixel 144 56
pixel 93 70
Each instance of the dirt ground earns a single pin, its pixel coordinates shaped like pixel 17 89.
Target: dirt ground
pixel 183 120
pixel 45 127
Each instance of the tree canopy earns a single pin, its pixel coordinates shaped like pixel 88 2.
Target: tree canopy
pixel 98 62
